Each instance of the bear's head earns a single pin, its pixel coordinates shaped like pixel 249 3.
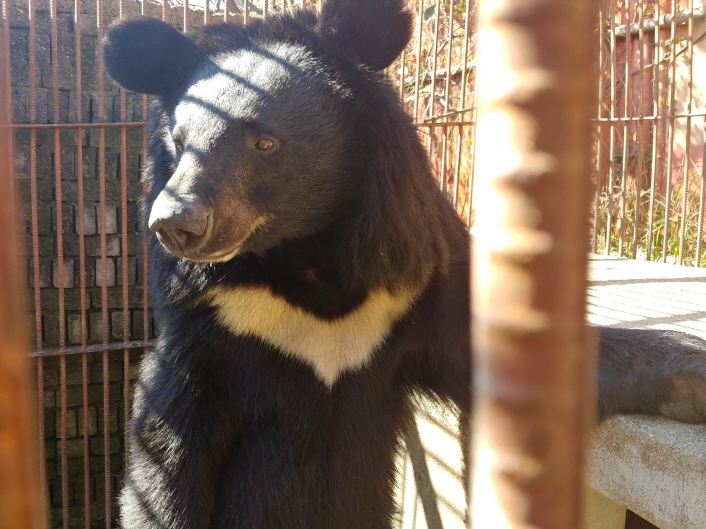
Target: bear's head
pixel 273 132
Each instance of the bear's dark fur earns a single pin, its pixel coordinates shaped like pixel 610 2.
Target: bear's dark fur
pixel 308 275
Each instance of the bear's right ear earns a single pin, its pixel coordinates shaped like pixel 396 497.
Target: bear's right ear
pixel 149 56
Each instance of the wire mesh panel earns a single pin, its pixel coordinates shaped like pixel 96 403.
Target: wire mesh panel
pixel 649 149
pixel 79 143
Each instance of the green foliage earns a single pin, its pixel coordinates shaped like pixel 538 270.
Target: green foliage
pixel 638 209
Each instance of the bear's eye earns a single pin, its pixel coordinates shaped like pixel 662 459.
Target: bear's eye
pixel 179 145
pixel 264 144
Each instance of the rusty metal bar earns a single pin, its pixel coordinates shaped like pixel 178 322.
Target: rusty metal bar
pixel 702 196
pixel 462 104
pixel 104 260
pixel 443 178
pixel 611 172
pixel 687 140
pixel 60 264
pixel 640 126
pixel 22 501
pixel 599 134
pixel 653 117
pixel 125 258
pixel 474 136
pixel 529 422
pixel 665 21
pixel 417 66
pixel 670 152
pixel 655 134
pixel 35 244
pixel 627 13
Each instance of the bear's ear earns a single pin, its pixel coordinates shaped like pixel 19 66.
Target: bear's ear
pixel 149 56
pixel 375 31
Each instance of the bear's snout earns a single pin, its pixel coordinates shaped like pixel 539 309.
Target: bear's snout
pixel 182 222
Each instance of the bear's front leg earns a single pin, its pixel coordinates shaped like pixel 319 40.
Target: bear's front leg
pixel 179 435
pixel 652 371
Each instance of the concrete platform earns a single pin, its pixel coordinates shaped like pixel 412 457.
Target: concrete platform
pixel 652 466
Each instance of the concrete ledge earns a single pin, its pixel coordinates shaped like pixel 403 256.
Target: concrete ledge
pixel 654 467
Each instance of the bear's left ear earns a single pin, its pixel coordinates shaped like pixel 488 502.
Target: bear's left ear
pixel 149 56
pixel 374 31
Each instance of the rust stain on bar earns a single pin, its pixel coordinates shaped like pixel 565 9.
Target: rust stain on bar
pixel 529 279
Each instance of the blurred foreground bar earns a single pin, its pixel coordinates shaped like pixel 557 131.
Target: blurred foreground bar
pixel 532 365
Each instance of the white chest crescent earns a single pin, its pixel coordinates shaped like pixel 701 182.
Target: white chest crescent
pixel 329 347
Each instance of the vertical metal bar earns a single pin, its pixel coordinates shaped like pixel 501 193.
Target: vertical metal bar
pixel 20 488
pixel 529 274
pixel 462 104
pixel 35 243
pixel 640 126
pixel 60 263
pixel 687 140
pixel 400 83
pixel 207 12
pixel 611 170
pixel 9 138
pixel 103 257
pixel 626 130
pixel 670 153
pixel 125 262
pixel 447 96
pixel 702 195
pixel 82 268
pixel 417 63
pixel 599 129
pixel 246 11
pixel 64 457
pixel 432 86
pixel 86 460
pixel 655 133
pixel 474 136
pixel 186 14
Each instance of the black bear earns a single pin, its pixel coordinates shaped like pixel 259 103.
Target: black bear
pixel 309 278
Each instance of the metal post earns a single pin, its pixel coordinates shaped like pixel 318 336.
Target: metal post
pixel 19 473
pixel 532 365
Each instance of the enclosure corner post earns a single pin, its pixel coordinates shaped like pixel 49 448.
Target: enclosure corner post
pixel 532 394
pixel 19 473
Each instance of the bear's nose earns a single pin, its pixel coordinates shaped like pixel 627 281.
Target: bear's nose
pixel 181 222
